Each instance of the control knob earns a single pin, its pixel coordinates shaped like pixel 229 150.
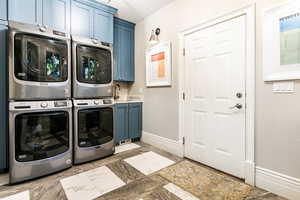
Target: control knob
pixel 44 105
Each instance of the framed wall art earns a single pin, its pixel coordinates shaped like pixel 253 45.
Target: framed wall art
pixel 159 65
pixel 281 42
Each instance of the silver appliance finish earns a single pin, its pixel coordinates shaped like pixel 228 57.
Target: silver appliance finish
pixel 85 90
pixel 26 90
pixel 82 155
pixel 21 171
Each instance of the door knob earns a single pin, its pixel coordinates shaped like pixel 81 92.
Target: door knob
pixel 238 106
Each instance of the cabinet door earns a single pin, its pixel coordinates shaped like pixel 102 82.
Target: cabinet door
pixel 82 20
pixel 128 53
pixel 29 11
pixel 135 120
pixel 117 53
pixel 56 14
pixel 3 100
pixel 3 9
pixel 121 122
pixel 103 26
pixel 124 53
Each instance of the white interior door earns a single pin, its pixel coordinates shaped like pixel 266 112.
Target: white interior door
pixel 214 111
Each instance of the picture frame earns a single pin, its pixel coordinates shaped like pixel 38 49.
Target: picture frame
pixel 281 42
pixel 159 65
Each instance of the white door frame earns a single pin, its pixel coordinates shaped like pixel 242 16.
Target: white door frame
pixel 249 12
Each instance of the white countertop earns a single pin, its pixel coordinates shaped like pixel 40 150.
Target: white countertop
pixel 128 101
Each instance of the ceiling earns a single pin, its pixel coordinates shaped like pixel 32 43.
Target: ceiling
pixel 136 10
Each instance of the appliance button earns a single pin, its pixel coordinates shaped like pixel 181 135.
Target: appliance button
pixel 96 102
pixel 44 105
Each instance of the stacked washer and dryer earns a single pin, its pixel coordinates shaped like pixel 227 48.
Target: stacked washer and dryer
pixel 55 120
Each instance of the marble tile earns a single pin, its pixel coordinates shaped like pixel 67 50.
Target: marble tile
pixel 204 183
pixel 149 162
pixel 135 190
pixel 177 191
pixel 161 194
pixel 19 196
pixel 126 147
pixel 48 191
pixel 91 184
pixel 201 181
pixel 125 172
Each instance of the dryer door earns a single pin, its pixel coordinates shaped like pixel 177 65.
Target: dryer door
pixel 41 135
pixel 95 127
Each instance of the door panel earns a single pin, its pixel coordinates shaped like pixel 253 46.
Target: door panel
pixel 56 14
pixel 103 26
pixel 3 100
pixel 121 122
pixel 135 120
pixel 215 130
pixel 82 20
pixel 29 11
pixel 124 51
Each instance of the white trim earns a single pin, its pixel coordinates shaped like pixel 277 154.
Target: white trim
pixel 171 146
pixel 277 183
pixel 249 11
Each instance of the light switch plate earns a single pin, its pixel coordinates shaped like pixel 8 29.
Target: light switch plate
pixel 284 87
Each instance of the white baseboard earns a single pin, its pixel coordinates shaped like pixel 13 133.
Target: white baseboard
pixel 250 172
pixel 277 183
pixel 4 179
pixel 171 146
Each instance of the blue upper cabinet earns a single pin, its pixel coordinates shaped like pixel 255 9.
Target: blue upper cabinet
pixel 54 14
pixel 91 19
pixel 3 10
pixel 103 26
pixel 123 50
pixel 29 11
pixel 82 18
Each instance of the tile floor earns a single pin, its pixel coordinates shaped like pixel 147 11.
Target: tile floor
pixel 136 172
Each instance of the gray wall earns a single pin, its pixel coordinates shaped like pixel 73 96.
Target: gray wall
pixel 277 115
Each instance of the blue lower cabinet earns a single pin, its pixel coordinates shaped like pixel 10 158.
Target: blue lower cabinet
pixel 121 122
pixel 128 121
pixel 135 120
pixel 3 100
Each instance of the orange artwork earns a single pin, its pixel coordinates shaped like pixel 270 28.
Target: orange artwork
pixel 158 60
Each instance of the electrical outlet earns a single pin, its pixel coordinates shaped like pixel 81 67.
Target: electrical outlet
pixel 284 87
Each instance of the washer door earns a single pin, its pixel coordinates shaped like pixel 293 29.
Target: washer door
pixel 40 59
pixel 94 65
pixel 95 127
pixel 41 135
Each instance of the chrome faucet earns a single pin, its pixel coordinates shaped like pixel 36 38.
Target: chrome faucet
pixel 116 87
